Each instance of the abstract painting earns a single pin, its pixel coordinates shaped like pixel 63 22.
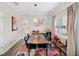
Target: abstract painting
pixel 14 23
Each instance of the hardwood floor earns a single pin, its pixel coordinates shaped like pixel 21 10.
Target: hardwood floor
pixel 13 51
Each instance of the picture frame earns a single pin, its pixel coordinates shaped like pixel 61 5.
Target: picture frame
pixel 14 23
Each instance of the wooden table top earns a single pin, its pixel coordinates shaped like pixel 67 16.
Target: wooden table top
pixel 40 40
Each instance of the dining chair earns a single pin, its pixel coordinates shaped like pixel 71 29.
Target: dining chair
pixel 30 46
pixel 48 37
pixel 59 44
pixel 26 38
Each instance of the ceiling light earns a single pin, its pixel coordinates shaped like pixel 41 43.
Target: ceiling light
pixel 16 3
pixel 35 5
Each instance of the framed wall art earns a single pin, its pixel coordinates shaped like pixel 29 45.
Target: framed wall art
pixel 14 23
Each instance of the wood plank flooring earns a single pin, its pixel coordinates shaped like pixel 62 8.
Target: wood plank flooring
pixel 13 51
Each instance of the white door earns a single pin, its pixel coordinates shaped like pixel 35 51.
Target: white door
pixel 25 26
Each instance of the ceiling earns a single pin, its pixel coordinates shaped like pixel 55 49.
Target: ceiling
pixel 25 8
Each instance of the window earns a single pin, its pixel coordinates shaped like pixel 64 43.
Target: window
pixel 61 24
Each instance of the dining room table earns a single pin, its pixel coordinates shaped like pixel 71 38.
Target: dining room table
pixel 38 40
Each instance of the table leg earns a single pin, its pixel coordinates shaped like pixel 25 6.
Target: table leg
pixel 60 51
pixel 28 50
pixel 46 50
pixel 36 48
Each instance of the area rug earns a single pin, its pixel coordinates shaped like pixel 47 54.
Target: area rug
pixel 42 52
pixel 23 51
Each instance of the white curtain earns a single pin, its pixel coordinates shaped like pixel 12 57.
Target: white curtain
pixel 53 25
pixel 70 28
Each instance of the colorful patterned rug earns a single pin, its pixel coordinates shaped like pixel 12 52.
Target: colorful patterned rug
pixel 23 51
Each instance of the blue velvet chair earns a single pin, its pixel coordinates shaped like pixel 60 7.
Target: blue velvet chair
pixel 26 38
pixel 48 37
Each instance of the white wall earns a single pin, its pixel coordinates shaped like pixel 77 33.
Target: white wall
pixel 47 22
pixel 9 36
pixel 76 30
pixel 1 31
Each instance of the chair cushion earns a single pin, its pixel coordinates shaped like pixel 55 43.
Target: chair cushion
pixel 56 38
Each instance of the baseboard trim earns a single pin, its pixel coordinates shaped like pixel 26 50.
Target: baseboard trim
pixel 10 46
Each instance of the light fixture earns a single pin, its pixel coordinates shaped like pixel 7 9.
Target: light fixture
pixel 35 20
pixel 38 21
pixel 35 5
pixel 16 3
